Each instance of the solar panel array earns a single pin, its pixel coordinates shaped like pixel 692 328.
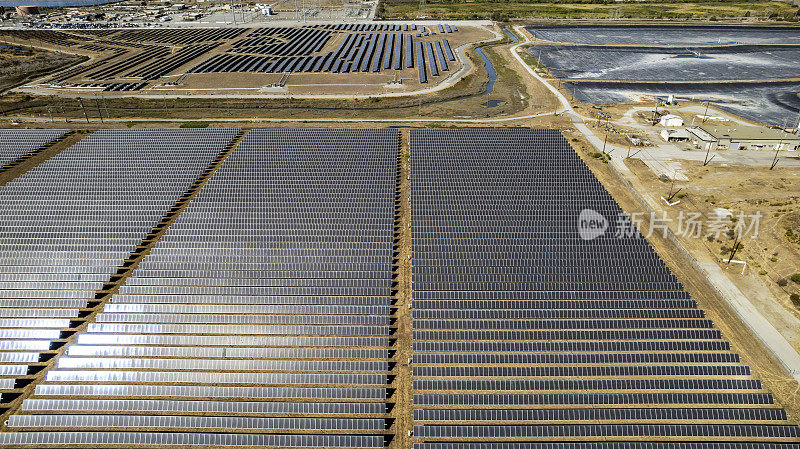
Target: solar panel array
pixel 361 49
pixel 261 317
pixel 69 223
pixel 16 143
pixel 132 60
pixel 523 332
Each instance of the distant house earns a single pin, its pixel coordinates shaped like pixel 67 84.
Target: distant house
pixel 743 137
pixel 671 120
pixel 675 135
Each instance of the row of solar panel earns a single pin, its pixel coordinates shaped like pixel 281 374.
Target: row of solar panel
pixel 482 284
pixel 563 324
pixel 554 295
pixel 440 313
pixel 564 346
pixel 578 371
pixel 117 307
pixel 628 398
pixel 585 384
pixel 214 318
pixel 519 358
pixel 250 299
pixel 150 405
pixel 610 414
pixel 610 430
pixel 288 281
pixel 104 361
pixel 443 28
pixel 196 422
pixel 228 352
pixel 236 329
pixel 189 439
pixel 293 341
pixel 595 334
pixel 610 445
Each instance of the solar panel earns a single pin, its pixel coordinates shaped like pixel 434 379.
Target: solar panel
pixel 269 295
pixel 525 331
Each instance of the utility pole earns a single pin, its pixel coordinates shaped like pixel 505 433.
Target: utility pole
pixel 778 146
pixel 705 114
pixel 707 160
pixel 50 113
pixel 233 12
pixel 99 112
pixel 655 111
pixel 736 245
pixel 85 115
pixel 105 105
pixel 672 194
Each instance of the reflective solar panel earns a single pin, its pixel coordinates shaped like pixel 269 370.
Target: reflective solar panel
pixel 517 317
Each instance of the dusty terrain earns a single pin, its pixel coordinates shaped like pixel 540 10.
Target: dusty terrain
pixel 18 66
pixel 773 256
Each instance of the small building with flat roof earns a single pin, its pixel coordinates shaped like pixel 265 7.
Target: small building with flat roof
pixel 675 135
pixel 743 138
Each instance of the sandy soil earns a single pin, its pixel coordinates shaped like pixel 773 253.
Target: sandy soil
pixel 773 256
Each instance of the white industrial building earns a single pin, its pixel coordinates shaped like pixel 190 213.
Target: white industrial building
pixel 743 137
pixel 671 120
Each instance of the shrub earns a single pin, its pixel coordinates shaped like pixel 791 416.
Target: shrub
pixel 195 125
pixel 782 282
pixel 796 278
pixel 795 299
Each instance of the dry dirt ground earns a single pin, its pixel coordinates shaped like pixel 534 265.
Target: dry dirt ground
pixel 18 66
pixel 773 256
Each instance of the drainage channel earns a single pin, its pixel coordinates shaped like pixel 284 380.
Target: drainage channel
pixel 37 372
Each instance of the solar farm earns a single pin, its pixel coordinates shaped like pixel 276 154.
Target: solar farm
pixel 241 287
pixel 340 59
